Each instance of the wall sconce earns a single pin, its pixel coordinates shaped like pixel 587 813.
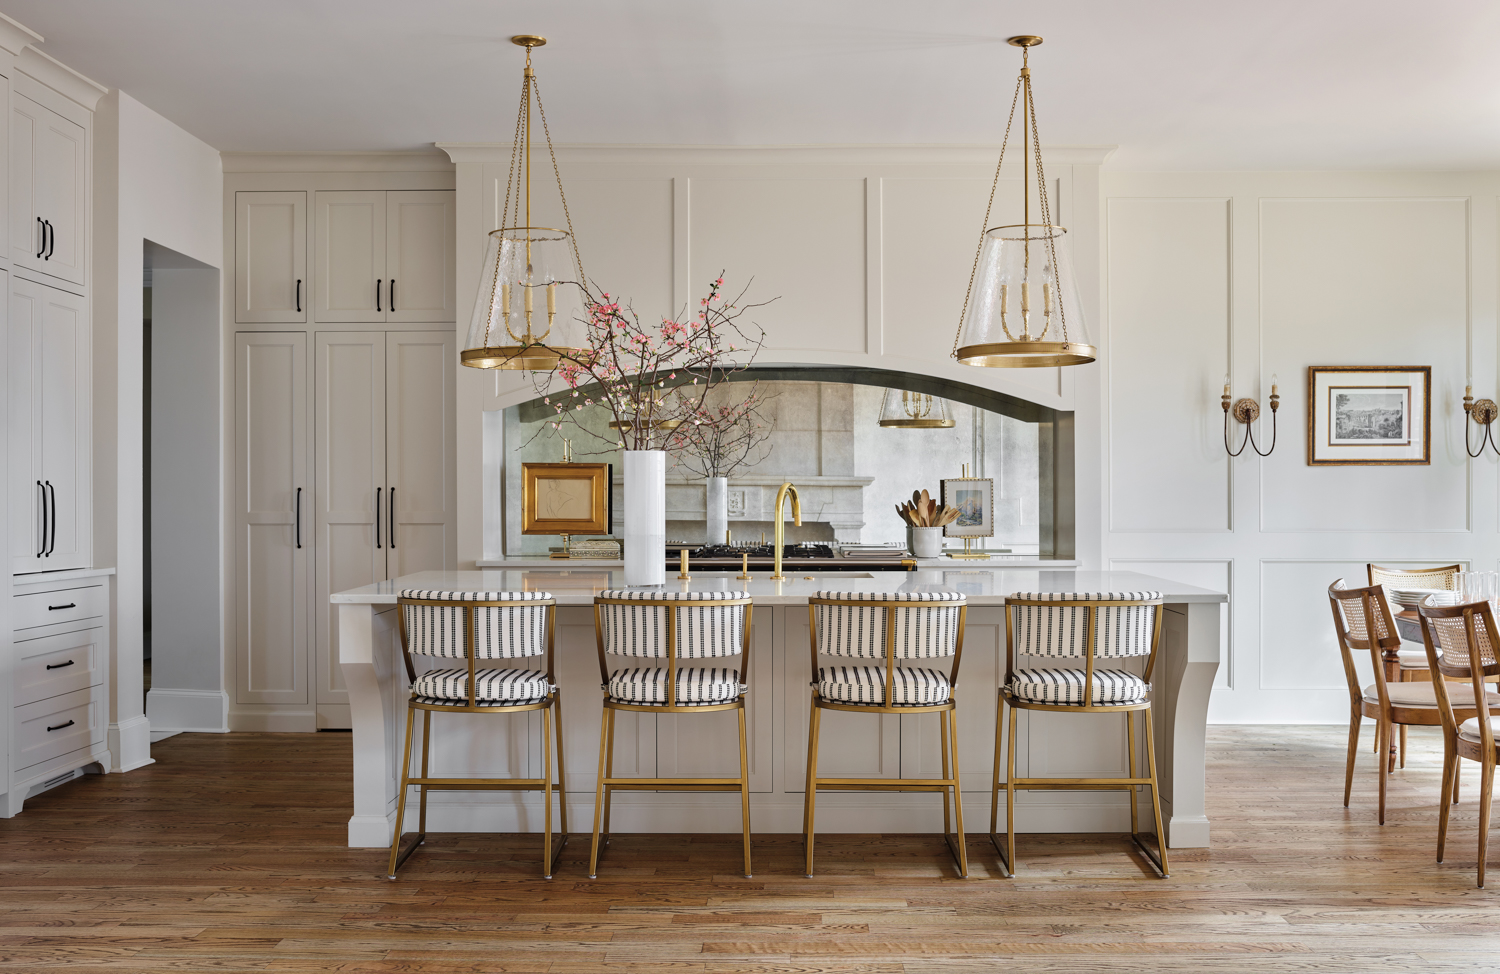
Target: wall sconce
pixel 1483 412
pixel 1247 411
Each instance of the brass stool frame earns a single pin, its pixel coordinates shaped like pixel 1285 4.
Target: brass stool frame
pixel 1007 852
pixel 948 732
pixel 608 783
pixel 552 702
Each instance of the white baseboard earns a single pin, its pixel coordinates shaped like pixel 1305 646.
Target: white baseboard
pixel 194 711
pixel 281 722
pixel 129 743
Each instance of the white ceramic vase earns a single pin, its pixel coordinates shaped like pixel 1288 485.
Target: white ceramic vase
pixel 716 491
pixel 927 542
pixel 645 517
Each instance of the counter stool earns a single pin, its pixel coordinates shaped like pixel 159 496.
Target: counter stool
pixel 671 626
pixel 473 626
pixel 1087 626
pixel 889 627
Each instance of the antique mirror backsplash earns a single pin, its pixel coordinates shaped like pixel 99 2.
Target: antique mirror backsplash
pixel 820 430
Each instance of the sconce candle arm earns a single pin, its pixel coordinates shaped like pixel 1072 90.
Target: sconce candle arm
pixel 1247 411
pixel 1483 412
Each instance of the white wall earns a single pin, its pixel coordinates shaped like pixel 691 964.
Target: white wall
pixel 152 181
pixel 1262 273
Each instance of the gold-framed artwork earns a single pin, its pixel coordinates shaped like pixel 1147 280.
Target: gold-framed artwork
pixel 565 498
pixel 1369 415
pixel 975 499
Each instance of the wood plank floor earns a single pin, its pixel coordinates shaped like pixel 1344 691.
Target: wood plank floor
pixel 228 855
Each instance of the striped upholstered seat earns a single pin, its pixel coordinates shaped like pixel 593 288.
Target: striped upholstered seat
pixel 700 631
pixel 500 632
pixel 696 685
pixel 495 687
pixel 916 686
pixel 1058 631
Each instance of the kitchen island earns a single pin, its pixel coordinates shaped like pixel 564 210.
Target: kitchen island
pixel 650 745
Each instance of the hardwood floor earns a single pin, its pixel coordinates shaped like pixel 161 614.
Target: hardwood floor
pixel 228 855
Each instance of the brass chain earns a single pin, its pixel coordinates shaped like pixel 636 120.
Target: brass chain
pixel 985 224
pixel 511 184
pixel 1041 189
pixel 572 237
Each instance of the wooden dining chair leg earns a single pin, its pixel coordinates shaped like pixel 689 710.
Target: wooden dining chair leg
pixel 1403 746
pixel 1354 721
pixel 1450 772
pixel 1383 735
pixel 1486 785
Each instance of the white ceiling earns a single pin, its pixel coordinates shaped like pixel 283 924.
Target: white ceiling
pixel 1176 84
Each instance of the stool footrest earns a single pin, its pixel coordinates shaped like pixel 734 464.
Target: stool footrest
pixel 672 784
pixel 883 784
pixel 1080 784
pixel 482 784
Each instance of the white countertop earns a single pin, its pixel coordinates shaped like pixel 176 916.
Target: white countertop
pixel 949 564
pixel 579 582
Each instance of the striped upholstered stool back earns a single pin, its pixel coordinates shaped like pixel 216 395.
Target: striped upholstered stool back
pixel 636 623
pixel 433 623
pixel 1090 630
pixel 923 630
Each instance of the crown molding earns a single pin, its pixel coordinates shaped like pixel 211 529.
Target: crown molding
pixel 729 155
pixel 421 160
pixel 14 37
pixel 60 78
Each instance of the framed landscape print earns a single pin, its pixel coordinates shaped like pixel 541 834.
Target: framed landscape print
pixel 975 499
pixel 565 498
pixel 1370 415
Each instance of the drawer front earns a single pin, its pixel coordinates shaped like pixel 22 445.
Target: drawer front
pixel 54 726
pixel 61 605
pixel 53 665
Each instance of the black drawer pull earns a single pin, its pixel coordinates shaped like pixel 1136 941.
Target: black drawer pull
pixel 58 666
pixel 61 726
pixel 70 605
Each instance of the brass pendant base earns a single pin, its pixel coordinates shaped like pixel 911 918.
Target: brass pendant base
pixel 536 357
pixel 536 40
pixel 1020 355
pixel 1246 410
pixel 1023 40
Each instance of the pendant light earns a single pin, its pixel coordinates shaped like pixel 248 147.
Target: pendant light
pixel 904 409
pixel 532 308
pixel 1022 307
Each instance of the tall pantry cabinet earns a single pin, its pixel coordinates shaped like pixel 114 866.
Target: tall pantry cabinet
pixel 54 670
pixel 343 363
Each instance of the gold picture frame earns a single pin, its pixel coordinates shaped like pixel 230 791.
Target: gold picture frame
pixel 975 499
pixel 1369 415
pixel 565 498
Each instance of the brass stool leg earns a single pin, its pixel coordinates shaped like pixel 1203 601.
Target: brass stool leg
pixel 396 860
pixel 995 780
pixel 609 772
pixel 599 792
pixel 546 797
pixel 422 789
pixel 562 781
pixel 1010 797
pixel 1161 834
pixel 1130 757
pixel 811 797
pixel 961 849
pixel 745 791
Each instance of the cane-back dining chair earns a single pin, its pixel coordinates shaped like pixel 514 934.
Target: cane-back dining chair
pixel 1412 662
pixel 1363 624
pixel 672 628
pixel 1089 628
pixel 879 632
pixel 473 628
pixel 1460 643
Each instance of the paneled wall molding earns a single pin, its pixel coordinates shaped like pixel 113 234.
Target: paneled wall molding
pixel 1262 273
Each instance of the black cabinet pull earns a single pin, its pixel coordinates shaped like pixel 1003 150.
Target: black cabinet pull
pixel 70 605
pixel 51 240
pixel 391 293
pixel 41 232
pixel 377 517
pixel 58 666
pixel 391 524
pixel 299 294
pixel 52 530
pixel 299 517
pixel 377 295
pixel 60 726
pixel 43 541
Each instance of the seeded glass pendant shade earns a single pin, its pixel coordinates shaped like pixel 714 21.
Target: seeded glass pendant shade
pixel 532 308
pixel 1022 308
pixel 904 409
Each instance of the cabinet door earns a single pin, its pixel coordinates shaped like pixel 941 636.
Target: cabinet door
pixel 419 247
pixel 419 451
pixel 63 397
pixel 26 233
pixel 61 152
pixel 270 257
pixel 27 527
pixel 350 462
pixel 272 503
pixel 350 248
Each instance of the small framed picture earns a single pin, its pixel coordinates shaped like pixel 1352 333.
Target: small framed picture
pixel 975 499
pixel 1369 415
pixel 565 498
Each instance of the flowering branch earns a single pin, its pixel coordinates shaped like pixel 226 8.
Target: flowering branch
pixel 720 439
